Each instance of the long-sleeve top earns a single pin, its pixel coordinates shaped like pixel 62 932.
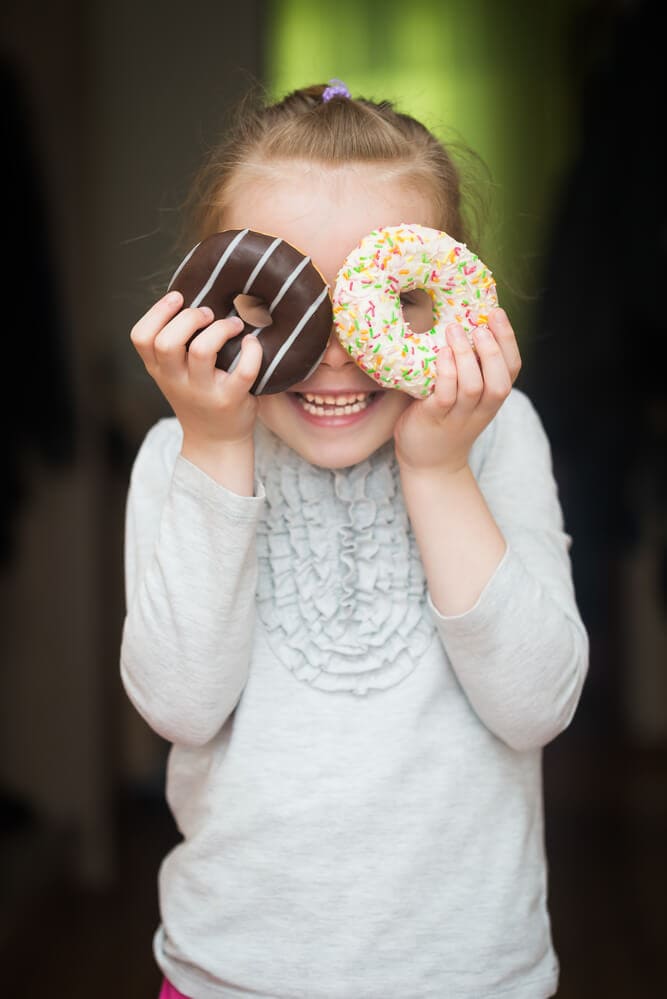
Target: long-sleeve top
pixel 356 777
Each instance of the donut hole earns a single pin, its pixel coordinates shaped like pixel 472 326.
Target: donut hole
pixel 417 309
pixel 253 311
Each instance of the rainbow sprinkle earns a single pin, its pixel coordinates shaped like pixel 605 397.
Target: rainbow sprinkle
pixel 367 308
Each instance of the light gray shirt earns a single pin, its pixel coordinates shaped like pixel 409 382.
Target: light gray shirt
pixel 356 778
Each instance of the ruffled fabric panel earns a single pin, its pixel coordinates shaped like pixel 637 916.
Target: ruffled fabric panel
pixel 341 593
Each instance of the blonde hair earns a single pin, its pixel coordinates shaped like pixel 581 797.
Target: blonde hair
pixel 334 132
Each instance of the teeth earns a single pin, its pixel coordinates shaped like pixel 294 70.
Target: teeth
pixel 336 400
pixel 329 405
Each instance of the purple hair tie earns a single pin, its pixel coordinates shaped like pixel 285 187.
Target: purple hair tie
pixel 336 88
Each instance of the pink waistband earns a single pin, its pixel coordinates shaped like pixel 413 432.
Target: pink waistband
pixel 169 992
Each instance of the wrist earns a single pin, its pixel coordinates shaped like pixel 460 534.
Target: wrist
pixel 231 463
pixel 428 475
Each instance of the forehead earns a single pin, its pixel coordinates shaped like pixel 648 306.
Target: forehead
pixel 324 210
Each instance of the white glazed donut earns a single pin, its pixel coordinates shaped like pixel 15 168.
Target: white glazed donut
pixel 367 305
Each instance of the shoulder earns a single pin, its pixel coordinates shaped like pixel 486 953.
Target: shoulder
pixel 158 450
pixel 517 412
pixel 518 416
pixel 516 431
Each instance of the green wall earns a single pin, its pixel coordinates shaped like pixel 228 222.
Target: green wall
pixel 493 75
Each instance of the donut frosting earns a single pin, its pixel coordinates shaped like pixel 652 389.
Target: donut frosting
pixel 367 308
pixel 244 262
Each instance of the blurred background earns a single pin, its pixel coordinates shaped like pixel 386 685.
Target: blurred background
pixel 108 109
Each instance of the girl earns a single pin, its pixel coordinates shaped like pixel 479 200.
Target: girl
pixel 357 628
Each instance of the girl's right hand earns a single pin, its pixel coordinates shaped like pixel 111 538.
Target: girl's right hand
pixel 215 409
pixel 212 406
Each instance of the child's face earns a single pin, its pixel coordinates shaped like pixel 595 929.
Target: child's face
pixel 324 212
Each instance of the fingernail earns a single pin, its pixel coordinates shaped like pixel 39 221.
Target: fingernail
pixel 206 312
pixel 482 333
pixel 456 331
pixel 172 297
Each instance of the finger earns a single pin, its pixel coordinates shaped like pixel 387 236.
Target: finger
pixel 470 381
pixel 143 333
pixel 502 329
pixel 204 348
pixel 443 396
pixel 171 342
pixel 495 373
pixel 241 380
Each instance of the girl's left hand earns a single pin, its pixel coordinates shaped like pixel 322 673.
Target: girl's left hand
pixel 438 432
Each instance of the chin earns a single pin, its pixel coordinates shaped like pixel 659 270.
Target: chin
pixel 325 436
pixel 336 457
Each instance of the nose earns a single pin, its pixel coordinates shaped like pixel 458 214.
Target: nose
pixel 335 355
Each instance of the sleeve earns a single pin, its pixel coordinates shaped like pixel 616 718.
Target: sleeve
pixel 190 578
pixel 521 653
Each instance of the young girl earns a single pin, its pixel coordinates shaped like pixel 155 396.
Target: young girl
pixel 354 621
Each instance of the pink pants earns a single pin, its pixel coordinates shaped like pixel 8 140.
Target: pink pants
pixel 169 992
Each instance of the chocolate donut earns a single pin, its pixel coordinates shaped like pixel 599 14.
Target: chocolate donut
pixel 244 262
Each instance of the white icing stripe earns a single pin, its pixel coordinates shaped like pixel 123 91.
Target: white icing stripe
pixel 260 264
pixel 218 267
pixel 288 283
pixel 182 265
pixel 285 287
pixel 291 338
pixel 256 333
pixel 248 285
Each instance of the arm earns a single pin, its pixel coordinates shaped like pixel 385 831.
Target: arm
pixel 493 548
pixel 190 528
pixel 190 590
pixel 459 541
pixel 521 651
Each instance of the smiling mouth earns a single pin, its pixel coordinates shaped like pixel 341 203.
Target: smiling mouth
pixel 335 405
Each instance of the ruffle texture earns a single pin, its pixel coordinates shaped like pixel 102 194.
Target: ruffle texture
pixel 341 591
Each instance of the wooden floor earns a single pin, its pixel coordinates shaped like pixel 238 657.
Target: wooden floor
pixel 606 814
